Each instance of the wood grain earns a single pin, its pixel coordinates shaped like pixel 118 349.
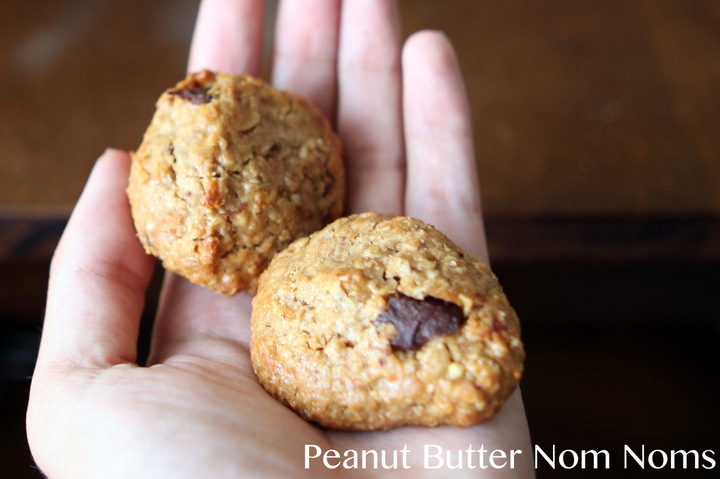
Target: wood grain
pixel 587 109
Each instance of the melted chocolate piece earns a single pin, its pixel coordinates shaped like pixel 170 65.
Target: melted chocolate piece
pixel 198 96
pixel 419 321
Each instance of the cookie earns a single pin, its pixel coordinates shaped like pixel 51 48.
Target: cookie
pixel 379 321
pixel 229 172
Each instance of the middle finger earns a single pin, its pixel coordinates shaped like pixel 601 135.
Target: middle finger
pixel 304 61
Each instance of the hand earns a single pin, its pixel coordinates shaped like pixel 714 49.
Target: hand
pixel 197 409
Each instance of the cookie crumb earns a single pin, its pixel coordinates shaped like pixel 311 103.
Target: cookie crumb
pixel 455 371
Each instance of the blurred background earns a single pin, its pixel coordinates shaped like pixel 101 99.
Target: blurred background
pixel 597 135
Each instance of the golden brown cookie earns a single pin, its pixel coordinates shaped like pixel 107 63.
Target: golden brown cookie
pixel 380 321
pixel 229 172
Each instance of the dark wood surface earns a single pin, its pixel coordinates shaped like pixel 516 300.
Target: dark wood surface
pixel 580 107
pixel 595 122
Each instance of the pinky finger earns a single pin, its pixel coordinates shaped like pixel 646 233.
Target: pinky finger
pixel 442 186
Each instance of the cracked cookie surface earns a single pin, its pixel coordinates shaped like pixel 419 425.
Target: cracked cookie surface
pixel 379 321
pixel 229 172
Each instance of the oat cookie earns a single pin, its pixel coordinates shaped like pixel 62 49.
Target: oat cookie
pixel 380 321
pixel 229 172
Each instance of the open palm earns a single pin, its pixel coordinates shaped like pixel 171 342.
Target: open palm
pixel 197 410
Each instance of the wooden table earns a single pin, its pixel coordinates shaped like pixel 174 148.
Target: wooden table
pixel 593 120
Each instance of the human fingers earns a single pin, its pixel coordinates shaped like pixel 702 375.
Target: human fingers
pixel 192 320
pixel 369 117
pixel 98 277
pixel 304 61
pixel 228 36
pixel 442 184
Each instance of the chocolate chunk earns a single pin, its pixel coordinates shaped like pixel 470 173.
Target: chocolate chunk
pixel 198 96
pixel 419 321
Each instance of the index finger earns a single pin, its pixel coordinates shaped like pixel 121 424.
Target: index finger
pixel 228 37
